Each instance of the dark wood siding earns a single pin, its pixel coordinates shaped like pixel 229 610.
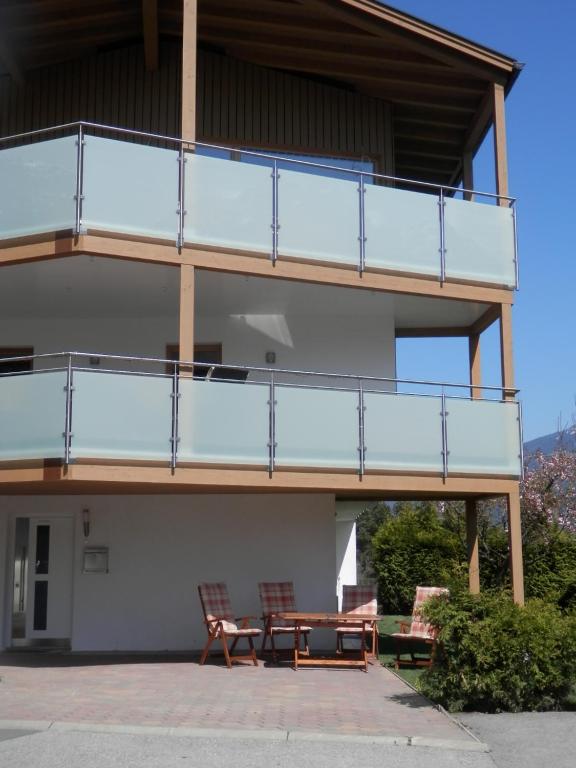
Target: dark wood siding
pixel 238 103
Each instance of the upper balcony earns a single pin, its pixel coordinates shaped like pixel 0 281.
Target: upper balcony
pixel 86 178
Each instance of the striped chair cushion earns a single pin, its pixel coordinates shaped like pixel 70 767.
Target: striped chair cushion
pixel 359 599
pixel 419 627
pixel 217 605
pixel 276 597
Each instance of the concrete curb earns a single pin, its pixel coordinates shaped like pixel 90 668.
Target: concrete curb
pixel 239 734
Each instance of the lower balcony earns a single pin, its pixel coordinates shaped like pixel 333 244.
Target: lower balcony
pixel 261 423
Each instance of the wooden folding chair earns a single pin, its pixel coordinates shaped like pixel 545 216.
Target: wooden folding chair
pixel 358 599
pixel 417 631
pixel 221 624
pixel 276 597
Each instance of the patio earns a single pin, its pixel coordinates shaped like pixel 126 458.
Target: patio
pixel 174 692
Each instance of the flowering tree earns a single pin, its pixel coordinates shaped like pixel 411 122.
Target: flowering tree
pixel 548 491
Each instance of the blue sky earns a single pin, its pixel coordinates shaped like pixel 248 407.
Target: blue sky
pixel 541 127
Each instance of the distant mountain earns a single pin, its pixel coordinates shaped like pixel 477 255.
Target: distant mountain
pixel 549 443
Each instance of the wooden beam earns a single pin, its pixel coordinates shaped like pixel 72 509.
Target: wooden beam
pixel 189 47
pixel 431 333
pixel 258 264
pixel 149 478
pixel 506 355
pixel 186 321
pixel 490 316
pixel 500 152
pixel 150 33
pixel 475 364
pixel 468 174
pixel 436 43
pixel 515 545
pixel 472 546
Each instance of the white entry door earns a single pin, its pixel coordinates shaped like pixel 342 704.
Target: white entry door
pixel 50 567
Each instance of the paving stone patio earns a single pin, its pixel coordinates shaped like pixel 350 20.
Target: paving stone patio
pixel 176 692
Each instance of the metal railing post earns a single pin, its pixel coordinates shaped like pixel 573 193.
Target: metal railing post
pixel 79 196
pixel 516 267
pixel 445 451
pixel 361 432
pixel 180 211
pixel 275 225
pixel 69 389
pixel 271 426
pixel 175 395
pixel 362 224
pixel 442 249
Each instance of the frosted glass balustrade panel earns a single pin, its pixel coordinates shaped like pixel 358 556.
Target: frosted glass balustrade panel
pixel 37 187
pixel 403 432
pixel 316 428
pixel 223 422
pixel 479 242
pixel 402 230
pixel 483 437
pixel 227 203
pixel 319 217
pixel 121 416
pixel 32 415
pixel 130 188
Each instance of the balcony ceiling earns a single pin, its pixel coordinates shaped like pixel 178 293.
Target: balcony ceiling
pixel 436 81
pixel 93 287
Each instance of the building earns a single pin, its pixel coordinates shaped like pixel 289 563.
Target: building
pixel 275 191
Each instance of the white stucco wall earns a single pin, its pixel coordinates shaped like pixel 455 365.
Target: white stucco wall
pixel 161 547
pixel 332 343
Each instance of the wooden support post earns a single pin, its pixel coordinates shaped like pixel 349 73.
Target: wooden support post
pixel 189 44
pixel 500 153
pixel 515 544
pixel 472 546
pixel 475 365
pixel 468 174
pixel 186 332
pixel 506 357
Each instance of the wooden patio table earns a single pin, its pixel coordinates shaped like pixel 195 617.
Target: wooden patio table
pixel 330 621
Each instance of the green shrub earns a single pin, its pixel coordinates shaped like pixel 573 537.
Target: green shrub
pixel 493 655
pixel 413 547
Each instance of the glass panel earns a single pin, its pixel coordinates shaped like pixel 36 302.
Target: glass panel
pixel 223 422
pixel 402 230
pixel 42 548
pixel 130 188
pixel 32 415
pixel 118 416
pixel 483 437
pixel 316 427
pixel 479 242
pixel 40 605
pixel 403 432
pixel 228 203
pixel 38 187
pixel 319 217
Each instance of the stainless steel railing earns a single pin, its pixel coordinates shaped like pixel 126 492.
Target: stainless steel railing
pixel 361 176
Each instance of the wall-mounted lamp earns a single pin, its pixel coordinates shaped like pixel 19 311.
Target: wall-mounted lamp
pixel 270 358
pixel 86 522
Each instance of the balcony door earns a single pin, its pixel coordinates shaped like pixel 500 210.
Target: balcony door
pixel 43 570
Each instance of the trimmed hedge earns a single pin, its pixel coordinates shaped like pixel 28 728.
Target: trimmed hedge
pixel 495 656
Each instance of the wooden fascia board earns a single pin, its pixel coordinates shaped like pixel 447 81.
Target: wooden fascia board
pixel 432 333
pixel 433 41
pixel 435 35
pixel 248 264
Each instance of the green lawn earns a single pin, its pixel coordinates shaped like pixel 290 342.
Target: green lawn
pixel 387 648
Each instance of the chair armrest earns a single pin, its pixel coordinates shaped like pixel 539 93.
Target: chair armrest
pixel 245 620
